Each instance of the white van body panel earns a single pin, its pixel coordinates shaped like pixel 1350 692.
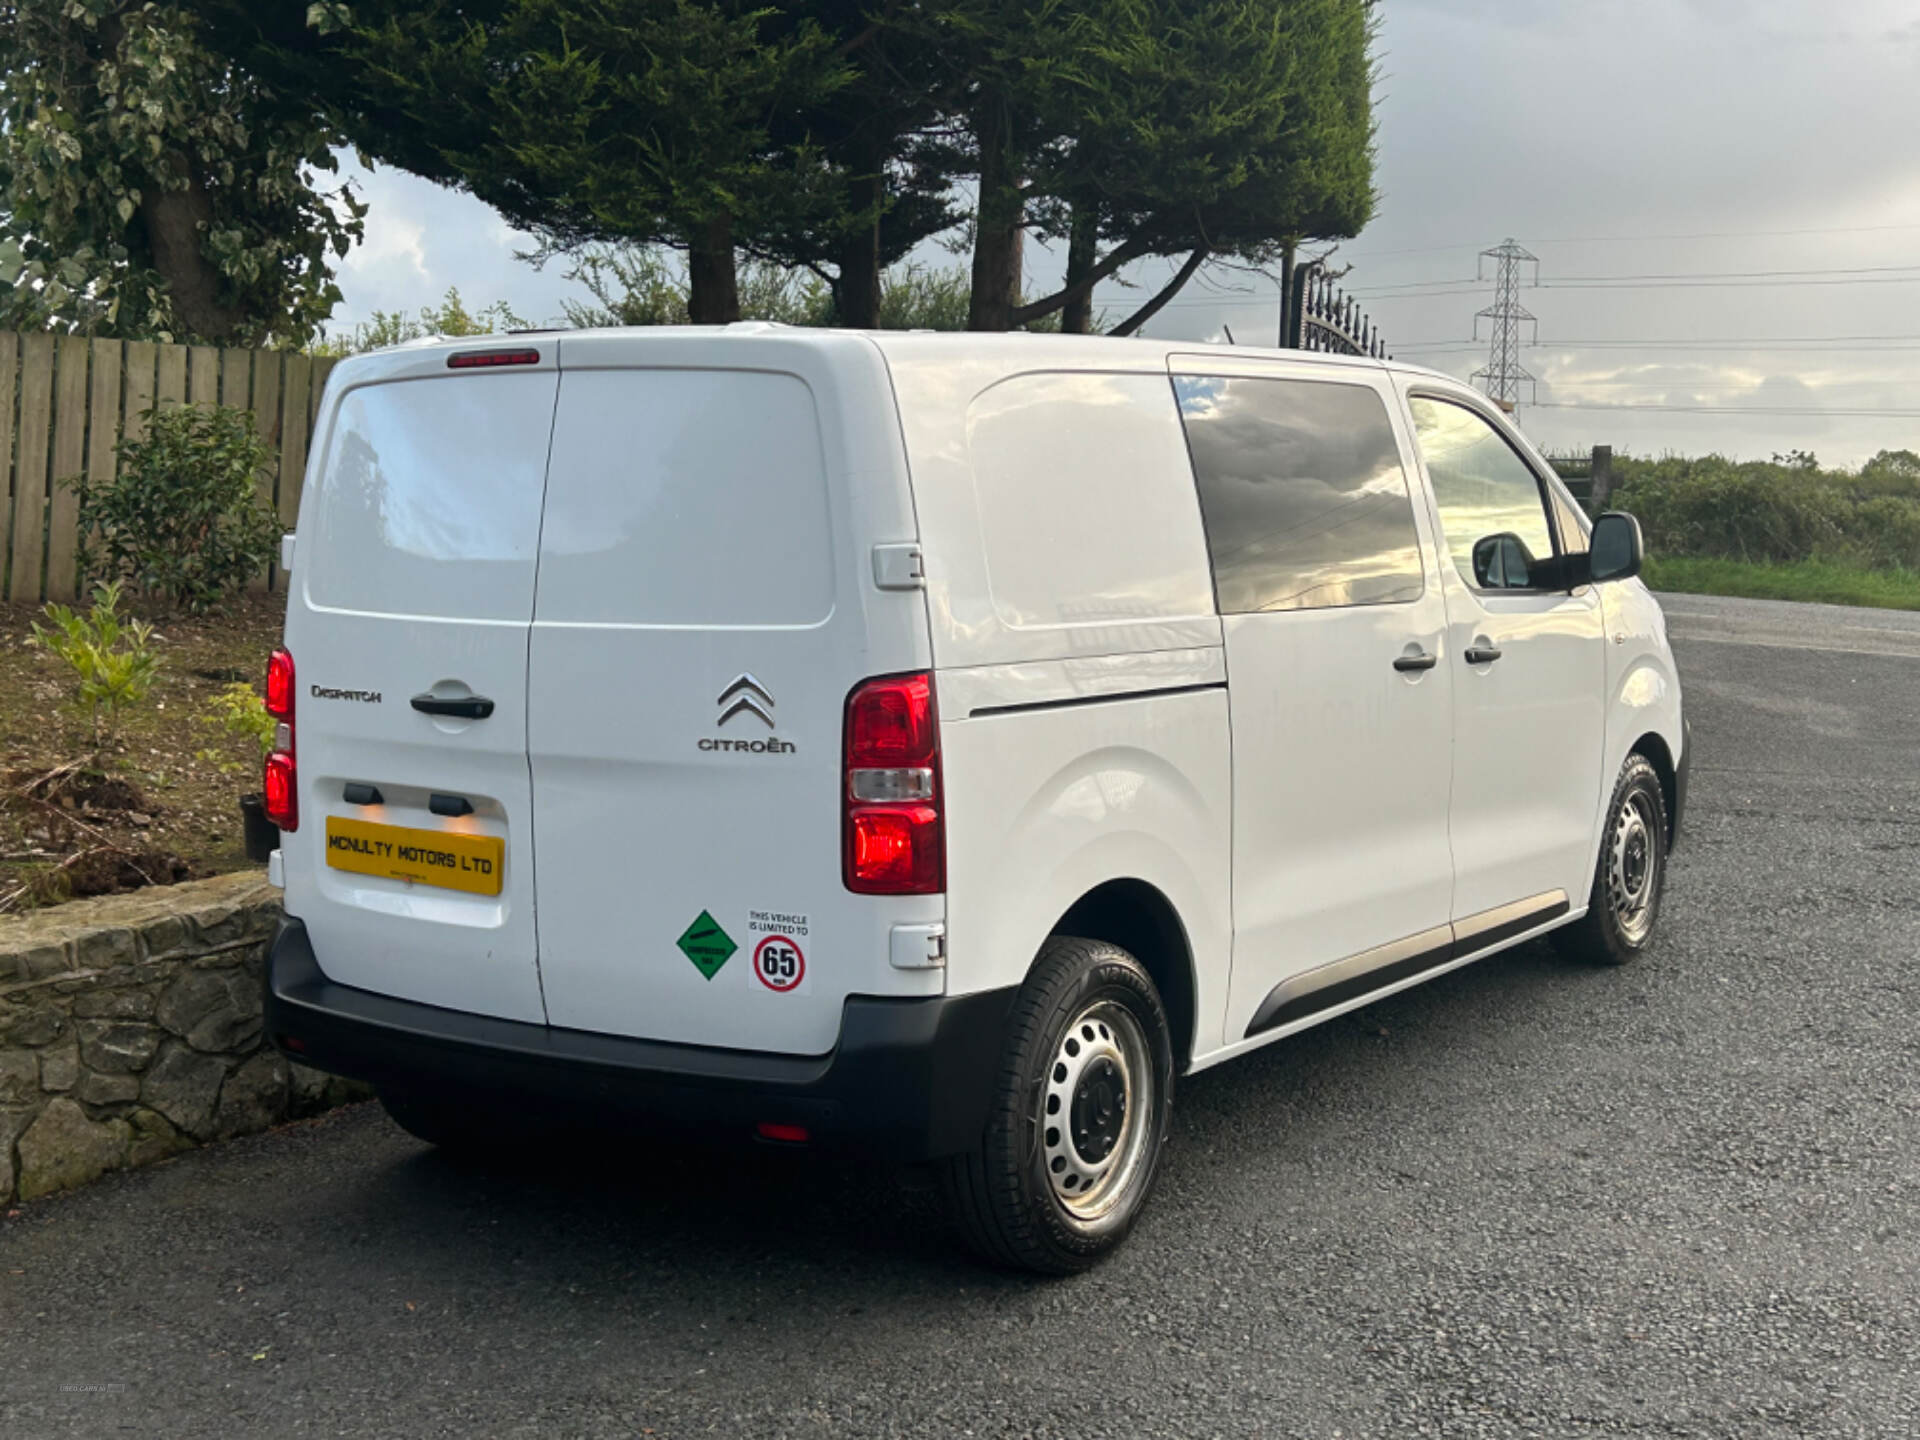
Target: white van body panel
pixel 1006 433
pixel 418 525
pixel 1084 734
pixel 1529 734
pixel 1643 685
pixel 712 505
pixel 1058 802
pixel 1341 764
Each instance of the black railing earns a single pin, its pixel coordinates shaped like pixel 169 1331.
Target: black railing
pixel 1329 322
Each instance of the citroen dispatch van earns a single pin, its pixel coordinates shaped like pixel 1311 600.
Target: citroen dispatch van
pixel 932 744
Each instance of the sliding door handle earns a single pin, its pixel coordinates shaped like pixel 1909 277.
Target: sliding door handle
pixel 462 707
pixel 1482 654
pixel 1407 664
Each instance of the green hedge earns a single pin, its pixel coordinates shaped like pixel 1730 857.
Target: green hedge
pixel 1778 512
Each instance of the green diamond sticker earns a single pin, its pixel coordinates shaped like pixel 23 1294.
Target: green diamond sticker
pixel 706 945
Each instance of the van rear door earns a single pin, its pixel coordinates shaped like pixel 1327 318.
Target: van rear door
pixel 706 601
pixel 414 577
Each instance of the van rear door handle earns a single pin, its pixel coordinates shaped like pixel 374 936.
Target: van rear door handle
pixel 1420 661
pixel 462 707
pixel 1482 654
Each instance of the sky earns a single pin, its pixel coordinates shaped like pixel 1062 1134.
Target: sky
pixel 1724 196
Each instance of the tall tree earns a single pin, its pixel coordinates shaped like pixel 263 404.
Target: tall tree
pixel 680 122
pixel 872 132
pixel 834 135
pixel 1192 128
pixel 150 187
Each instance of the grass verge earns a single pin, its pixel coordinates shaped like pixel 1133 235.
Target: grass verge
pixel 1816 581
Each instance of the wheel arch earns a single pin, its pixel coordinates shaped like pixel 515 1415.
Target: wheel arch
pixel 1138 917
pixel 1652 747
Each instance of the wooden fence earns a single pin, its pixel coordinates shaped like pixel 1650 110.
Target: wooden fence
pixel 66 401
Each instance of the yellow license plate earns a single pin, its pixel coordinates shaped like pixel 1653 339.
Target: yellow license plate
pixel 431 857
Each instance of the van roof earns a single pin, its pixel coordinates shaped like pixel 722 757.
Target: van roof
pixel 1017 347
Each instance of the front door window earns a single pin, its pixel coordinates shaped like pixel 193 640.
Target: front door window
pixel 1491 507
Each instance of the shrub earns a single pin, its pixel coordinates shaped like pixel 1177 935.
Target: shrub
pixel 112 658
pixel 239 711
pixel 396 327
pixel 1784 511
pixel 181 520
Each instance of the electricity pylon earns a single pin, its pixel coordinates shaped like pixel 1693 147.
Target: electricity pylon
pixel 1504 374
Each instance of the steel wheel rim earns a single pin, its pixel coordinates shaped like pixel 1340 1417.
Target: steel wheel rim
pixel 1633 865
pixel 1096 1110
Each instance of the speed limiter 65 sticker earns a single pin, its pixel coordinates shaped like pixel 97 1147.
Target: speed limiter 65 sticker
pixel 778 963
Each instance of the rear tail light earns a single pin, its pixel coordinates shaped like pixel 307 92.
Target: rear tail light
pixel 894 842
pixel 279 779
pixel 282 802
pixel 280 685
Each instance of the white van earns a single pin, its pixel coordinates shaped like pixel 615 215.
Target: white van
pixel 934 744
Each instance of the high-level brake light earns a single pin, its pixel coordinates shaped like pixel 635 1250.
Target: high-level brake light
pixel 491 359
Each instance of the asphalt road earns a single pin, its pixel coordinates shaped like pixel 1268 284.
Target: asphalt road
pixel 1527 1199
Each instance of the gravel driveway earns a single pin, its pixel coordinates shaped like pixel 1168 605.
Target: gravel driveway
pixel 1527 1199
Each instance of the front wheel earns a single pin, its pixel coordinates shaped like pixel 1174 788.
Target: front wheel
pixel 1624 904
pixel 1080 1111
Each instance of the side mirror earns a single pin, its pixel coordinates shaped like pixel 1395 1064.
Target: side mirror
pixel 1615 549
pixel 1503 562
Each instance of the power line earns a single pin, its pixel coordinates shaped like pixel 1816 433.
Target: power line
pixel 1704 279
pixel 1746 274
pixel 1635 239
pixel 1716 342
pixel 1810 346
pixel 1725 284
pixel 1627 382
pixel 1846 413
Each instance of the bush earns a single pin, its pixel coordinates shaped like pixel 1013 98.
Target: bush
pixel 639 285
pixel 396 327
pixel 181 520
pixel 1784 511
pixel 112 658
pixel 239 711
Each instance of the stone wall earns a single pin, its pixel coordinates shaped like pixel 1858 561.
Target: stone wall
pixel 130 1030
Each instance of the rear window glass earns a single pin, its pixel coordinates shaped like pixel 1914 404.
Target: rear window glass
pixel 1305 499
pixel 430 498
pixel 686 497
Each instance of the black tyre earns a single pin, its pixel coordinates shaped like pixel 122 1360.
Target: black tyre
pixel 1624 906
pixel 1079 1114
pixel 462 1128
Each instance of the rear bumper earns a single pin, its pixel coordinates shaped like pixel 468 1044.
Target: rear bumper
pixel 910 1079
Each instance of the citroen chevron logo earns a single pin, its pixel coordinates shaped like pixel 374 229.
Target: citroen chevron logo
pixel 749 697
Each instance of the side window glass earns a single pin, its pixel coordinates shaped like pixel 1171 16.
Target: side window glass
pixel 1301 488
pixel 1491 509
pixel 1573 525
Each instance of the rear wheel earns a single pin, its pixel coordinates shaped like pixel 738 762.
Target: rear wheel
pixel 1624 904
pixel 461 1128
pixel 1079 1114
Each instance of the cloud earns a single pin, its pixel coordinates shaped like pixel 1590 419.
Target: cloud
pixel 1706 128
pixel 392 252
